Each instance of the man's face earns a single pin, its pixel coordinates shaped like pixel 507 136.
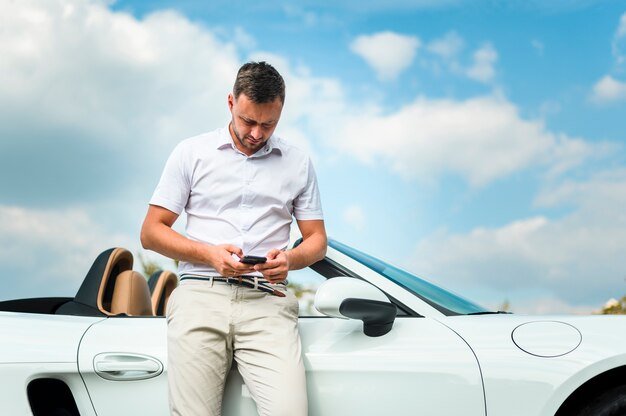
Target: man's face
pixel 252 124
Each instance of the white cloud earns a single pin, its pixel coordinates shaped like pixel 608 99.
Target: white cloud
pixel 608 90
pixel 355 216
pixel 538 46
pixel 481 139
pixel 550 305
pixel 388 53
pixel 577 257
pixel 104 89
pixel 377 6
pixel 110 76
pixel 49 251
pixel 446 53
pixel 621 29
pixel 306 17
pixel 483 69
pixel 311 104
pixel 549 107
pixel 619 41
pixel 122 90
pixel 447 47
pixel 601 197
pixel 243 38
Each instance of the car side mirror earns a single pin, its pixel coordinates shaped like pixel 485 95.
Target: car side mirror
pixel 350 298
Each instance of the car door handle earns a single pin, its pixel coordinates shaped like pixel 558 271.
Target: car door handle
pixel 126 366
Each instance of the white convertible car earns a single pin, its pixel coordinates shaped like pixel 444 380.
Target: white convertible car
pixel 384 342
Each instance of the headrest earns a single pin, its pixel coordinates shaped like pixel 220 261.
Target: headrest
pixel 119 261
pixel 131 295
pixel 95 293
pixel 162 283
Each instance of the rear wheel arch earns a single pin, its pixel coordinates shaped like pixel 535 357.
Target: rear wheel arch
pixel 596 394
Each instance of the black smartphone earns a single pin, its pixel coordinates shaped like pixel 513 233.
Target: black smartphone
pixel 253 259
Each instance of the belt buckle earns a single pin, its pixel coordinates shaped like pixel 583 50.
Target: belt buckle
pixel 263 287
pixel 237 280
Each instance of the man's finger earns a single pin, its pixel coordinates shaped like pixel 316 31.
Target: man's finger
pixel 241 267
pixel 270 264
pixel 273 253
pixel 233 249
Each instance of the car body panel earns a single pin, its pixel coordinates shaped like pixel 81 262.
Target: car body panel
pixel 126 337
pixel 41 338
pixel 17 376
pixel 37 346
pixel 340 361
pixel 547 380
pixel 420 365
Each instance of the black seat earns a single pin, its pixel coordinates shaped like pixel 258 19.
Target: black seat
pixel 97 293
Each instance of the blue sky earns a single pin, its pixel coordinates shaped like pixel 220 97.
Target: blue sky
pixel 478 144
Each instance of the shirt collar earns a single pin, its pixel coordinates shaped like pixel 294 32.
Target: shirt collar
pixel 273 145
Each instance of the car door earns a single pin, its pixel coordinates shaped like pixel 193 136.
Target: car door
pixel 420 367
pixel 123 363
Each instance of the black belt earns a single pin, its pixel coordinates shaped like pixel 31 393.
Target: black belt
pixel 255 282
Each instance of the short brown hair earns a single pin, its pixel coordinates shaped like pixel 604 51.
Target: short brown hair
pixel 260 82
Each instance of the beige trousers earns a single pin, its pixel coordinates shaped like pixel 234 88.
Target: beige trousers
pixel 209 324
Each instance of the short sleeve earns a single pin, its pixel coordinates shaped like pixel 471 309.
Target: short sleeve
pixel 308 205
pixel 173 189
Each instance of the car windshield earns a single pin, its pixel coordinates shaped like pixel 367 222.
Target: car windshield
pixel 439 298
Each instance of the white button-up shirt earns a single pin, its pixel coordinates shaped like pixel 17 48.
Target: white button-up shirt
pixel 232 198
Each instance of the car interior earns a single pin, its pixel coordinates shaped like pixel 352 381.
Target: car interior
pixel 161 284
pixel 110 288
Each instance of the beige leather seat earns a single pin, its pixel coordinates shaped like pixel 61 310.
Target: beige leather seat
pixel 122 290
pixel 162 283
pixel 131 295
pixel 110 288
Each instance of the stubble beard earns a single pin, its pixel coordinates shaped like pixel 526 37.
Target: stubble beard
pixel 242 141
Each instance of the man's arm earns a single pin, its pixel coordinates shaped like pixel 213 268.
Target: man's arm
pixel 157 235
pixel 313 246
pixel 311 250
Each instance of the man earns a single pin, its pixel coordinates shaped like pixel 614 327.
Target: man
pixel 240 187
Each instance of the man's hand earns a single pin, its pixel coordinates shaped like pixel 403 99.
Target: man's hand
pixel 220 257
pixel 276 267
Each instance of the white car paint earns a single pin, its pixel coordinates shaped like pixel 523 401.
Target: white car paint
pixel 144 391
pixel 429 363
pixel 420 367
pixel 41 338
pixel 340 361
pixel 16 376
pixel 331 292
pixel 547 339
pixel 541 384
pixel 40 346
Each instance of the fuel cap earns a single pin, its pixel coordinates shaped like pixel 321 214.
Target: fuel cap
pixel 546 338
